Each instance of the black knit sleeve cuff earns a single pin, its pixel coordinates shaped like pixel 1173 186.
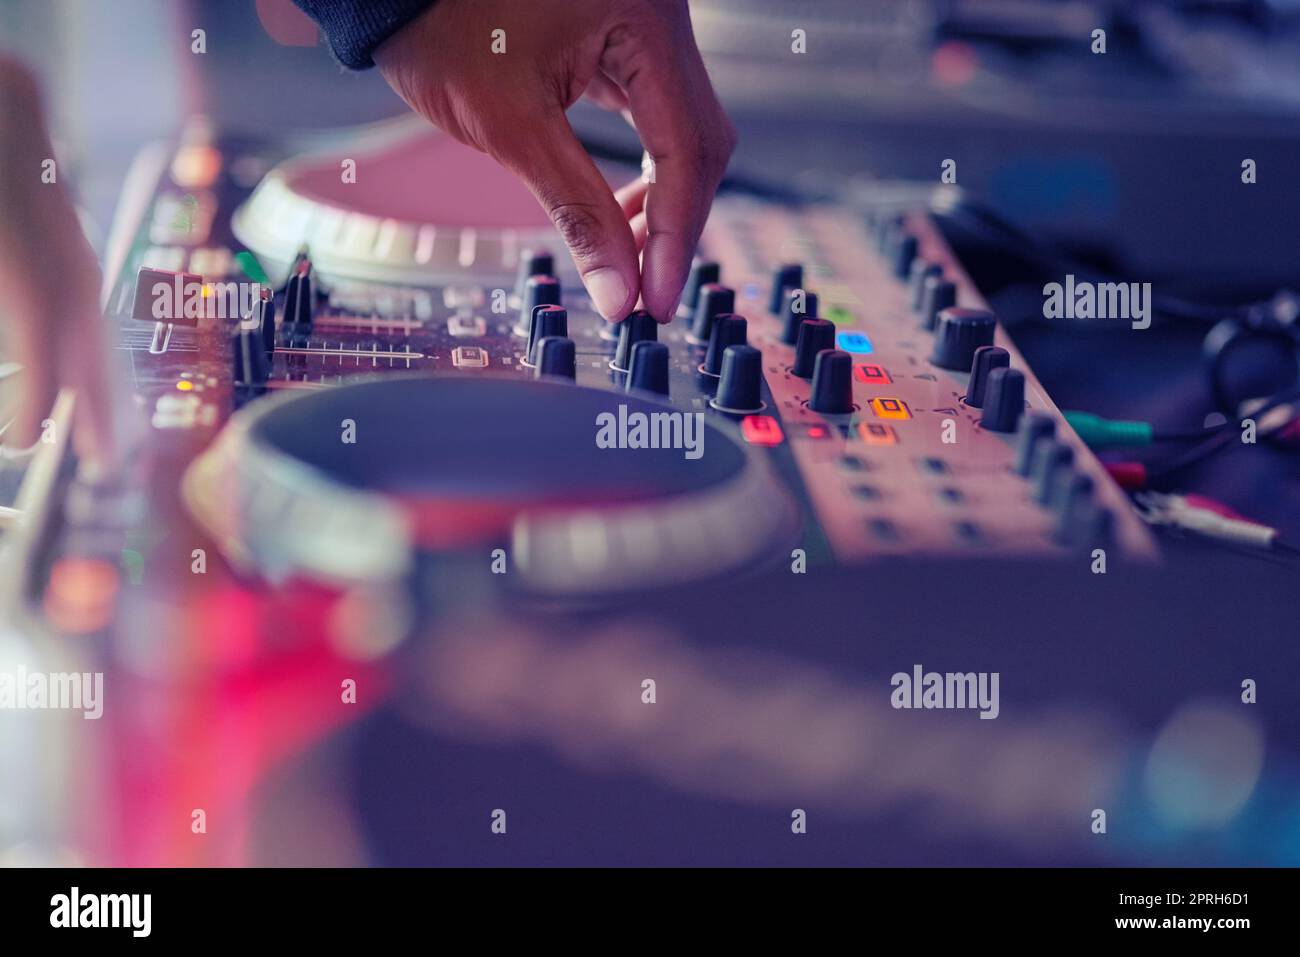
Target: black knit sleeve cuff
pixel 355 28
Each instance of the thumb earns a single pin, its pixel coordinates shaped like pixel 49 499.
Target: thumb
pixel 556 167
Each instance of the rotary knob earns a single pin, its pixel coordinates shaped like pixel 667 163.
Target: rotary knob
pixel 740 389
pixel 704 272
pixel 538 291
pixel 649 369
pixel 640 326
pixel 937 294
pixel 960 333
pixel 1004 400
pixel 728 330
pixel 713 301
pixel 547 321
pixel 556 356
pixel 832 383
pixel 799 304
pixel 786 276
pixel 815 335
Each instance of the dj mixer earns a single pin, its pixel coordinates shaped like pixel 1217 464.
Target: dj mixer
pixel 414 369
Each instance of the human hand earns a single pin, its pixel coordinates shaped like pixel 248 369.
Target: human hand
pixel 635 56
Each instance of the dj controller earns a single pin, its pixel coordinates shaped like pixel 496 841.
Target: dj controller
pixel 360 370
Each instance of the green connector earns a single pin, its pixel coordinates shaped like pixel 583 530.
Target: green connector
pixel 1102 433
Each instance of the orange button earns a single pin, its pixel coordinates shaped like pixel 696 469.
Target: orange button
pixel 873 433
pixel 890 408
pixel 761 430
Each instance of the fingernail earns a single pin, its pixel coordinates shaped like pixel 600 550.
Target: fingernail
pixel 608 291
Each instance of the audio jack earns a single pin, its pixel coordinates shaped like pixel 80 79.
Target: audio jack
pixel 1210 519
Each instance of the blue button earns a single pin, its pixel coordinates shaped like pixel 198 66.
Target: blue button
pixel 855 342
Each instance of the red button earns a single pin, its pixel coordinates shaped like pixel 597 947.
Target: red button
pixel 761 430
pixel 871 374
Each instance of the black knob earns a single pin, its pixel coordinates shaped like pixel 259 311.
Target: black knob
pixel 814 336
pixel 799 304
pixel 557 355
pixel 250 365
pixel 921 271
pixel 713 301
pixel 1068 488
pixel 547 321
pixel 703 272
pixel 937 294
pixel 1087 525
pixel 728 330
pixel 649 369
pixel 787 276
pixel 960 333
pixel 640 326
pixel 987 358
pixel 533 262
pixel 1035 427
pixel 901 255
pixel 741 386
pixel 538 291
pixel 298 303
pixel 1049 456
pixel 1004 400
pixel 832 383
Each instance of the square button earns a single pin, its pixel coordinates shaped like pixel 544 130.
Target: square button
pixel 467 327
pixel 870 374
pixel 873 433
pixel 855 342
pixel 469 357
pixel 761 430
pixel 888 408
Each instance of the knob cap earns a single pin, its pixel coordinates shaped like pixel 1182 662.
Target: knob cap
pixel 787 276
pixel 728 330
pixel 640 326
pixel 1004 400
pixel 704 272
pixel 547 321
pixel 937 294
pixel 960 333
pixel 901 255
pixel 799 304
pixel 987 358
pixel 1035 427
pixel 713 301
pixel 832 383
pixel 532 262
pixel 557 355
pixel 741 386
pixel 538 291
pixel 1050 456
pixel 921 271
pixel 250 365
pixel 649 369
pixel 815 335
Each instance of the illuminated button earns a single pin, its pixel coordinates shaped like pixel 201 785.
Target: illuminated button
pixel 840 316
pixel 873 433
pixel 467 327
pixel 469 357
pixel 185 385
pixel 886 408
pixel 818 432
pixel 871 374
pixel 761 430
pixel 854 342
